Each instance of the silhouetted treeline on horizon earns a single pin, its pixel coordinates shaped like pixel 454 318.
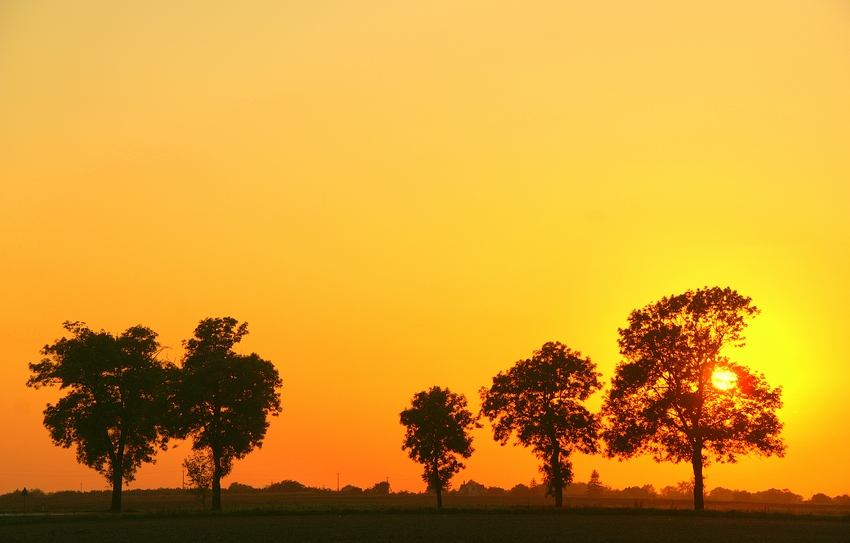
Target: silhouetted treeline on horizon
pixel 36 500
pixel 674 396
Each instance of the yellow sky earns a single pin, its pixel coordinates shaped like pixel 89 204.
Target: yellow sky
pixel 396 196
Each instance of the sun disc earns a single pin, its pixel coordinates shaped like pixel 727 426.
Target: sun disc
pixel 724 379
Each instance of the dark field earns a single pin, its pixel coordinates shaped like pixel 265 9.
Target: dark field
pixel 167 515
pixel 171 500
pixel 429 527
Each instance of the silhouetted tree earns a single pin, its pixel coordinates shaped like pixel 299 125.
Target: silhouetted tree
pixel 288 485
pixel 843 499
pixel 681 490
pixel 677 398
pixel 437 433
pixel 821 498
pixel 595 488
pixel 116 405
pixel 224 398
pixel 719 494
pixel 199 470
pixel 540 400
pixel 381 487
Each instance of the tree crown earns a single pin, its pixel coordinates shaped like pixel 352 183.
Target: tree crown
pixel 665 399
pixel 540 400
pixel 114 409
pixel 437 426
pixel 225 397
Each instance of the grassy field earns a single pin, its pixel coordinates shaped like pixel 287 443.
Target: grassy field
pixel 429 526
pixel 176 500
pixel 174 515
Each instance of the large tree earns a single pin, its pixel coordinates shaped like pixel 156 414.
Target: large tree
pixel 437 433
pixel 224 398
pixel 676 397
pixel 116 406
pixel 540 400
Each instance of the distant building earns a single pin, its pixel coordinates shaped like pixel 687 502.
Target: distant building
pixel 471 488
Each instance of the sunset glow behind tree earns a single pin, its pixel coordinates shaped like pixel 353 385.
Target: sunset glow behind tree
pixel 399 194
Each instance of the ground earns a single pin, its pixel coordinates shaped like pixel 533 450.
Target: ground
pixel 429 527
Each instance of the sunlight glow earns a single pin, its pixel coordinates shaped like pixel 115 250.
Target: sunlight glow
pixel 724 379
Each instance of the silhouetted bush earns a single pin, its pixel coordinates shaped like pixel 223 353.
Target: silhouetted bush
pixel 721 494
pixel 742 496
pixel 774 495
pixel 351 489
pixel 382 488
pixel 645 492
pixel 288 485
pixel 523 491
pixel 579 489
pixel 31 493
pixel 821 498
pixel 239 487
pixel 520 490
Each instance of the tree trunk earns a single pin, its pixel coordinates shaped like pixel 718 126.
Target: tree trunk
pixel 216 482
pixel 699 501
pixel 557 483
pixel 436 483
pixel 117 476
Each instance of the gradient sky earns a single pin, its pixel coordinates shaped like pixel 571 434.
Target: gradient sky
pixel 396 195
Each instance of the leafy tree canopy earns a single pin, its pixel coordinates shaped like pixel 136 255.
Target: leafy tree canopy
pixel 540 401
pixel 224 398
pixel 115 406
pixel 676 397
pixel 437 435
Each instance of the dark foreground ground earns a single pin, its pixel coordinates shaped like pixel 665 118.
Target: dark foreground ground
pixel 427 527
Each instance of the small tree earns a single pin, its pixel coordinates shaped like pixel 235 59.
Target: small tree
pixel 595 488
pixel 437 433
pixel 677 398
pixel 381 487
pixel 540 401
pixel 199 469
pixel 224 398
pixel 116 406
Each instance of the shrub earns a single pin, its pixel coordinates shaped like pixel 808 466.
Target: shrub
pixel 821 498
pixel 721 494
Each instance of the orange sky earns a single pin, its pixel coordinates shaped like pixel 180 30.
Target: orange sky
pixel 397 195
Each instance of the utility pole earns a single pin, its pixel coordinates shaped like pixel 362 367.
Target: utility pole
pixel 337 481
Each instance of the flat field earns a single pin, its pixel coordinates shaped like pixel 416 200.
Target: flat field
pixel 171 500
pixel 427 526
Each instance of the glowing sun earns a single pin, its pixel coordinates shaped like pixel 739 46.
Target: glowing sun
pixel 724 379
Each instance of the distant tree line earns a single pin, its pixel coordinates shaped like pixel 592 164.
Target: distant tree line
pixel 675 396
pixel 681 491
pixel 36 499
pixel 123 403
